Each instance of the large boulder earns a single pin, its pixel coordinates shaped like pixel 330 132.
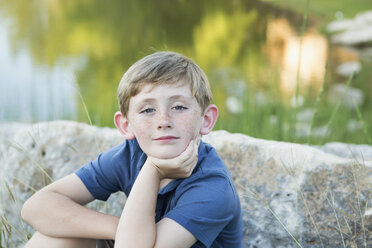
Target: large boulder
pixel 32 156
pixel 295 193
pixel 292 195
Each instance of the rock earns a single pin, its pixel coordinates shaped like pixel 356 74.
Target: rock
pixel 7 132
pixel 289 192
pixel 358 153
pixel 40 153
pixel 352 32
pixel 287 179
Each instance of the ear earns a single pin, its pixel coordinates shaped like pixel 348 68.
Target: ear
pixel 122 124
pixel 209 119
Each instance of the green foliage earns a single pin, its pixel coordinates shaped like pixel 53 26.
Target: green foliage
pixel 326 9
pixel 227 38
pixel 224 39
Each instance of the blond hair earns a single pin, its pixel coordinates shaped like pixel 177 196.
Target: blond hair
pixel 163 68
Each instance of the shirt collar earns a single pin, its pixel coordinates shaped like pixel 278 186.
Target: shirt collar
pixel 173 184
pixel 202 152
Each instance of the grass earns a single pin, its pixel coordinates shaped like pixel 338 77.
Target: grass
pixel 326 9
pixel 303 28
pixel 292 171
pixel 325 113
pixel 335 111
pixel 349 237
pixel 274 119
pixel 284 128
pixel 361 119
pixel 7 230
pixel 316 105
pixel 277 119
pixel 258 197
pixel 342 218
pixel 332 204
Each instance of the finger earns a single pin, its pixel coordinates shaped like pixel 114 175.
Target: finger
pixel 187 153
pixel 192 151
pixel 192 156
pixel 189 150
pixel 156 164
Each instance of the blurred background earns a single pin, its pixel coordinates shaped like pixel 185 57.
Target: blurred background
pixel 278 69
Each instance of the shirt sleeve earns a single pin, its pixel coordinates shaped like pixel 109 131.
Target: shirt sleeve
pixel 204 207
pixel 109 173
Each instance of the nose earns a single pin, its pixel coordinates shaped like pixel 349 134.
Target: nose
pixel 164 120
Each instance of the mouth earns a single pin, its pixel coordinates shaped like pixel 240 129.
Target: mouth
pixel 166 138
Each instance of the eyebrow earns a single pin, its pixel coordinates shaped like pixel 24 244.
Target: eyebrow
pixel 147 100
pixel 175 97
pixel 179 97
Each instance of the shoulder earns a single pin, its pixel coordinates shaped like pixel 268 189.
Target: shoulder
pixel 126 147
pixel 210 164
pixel 212 185
pixel 113 170
pixel 128 150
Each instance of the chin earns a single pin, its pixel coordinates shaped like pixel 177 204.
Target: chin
pixel 167 154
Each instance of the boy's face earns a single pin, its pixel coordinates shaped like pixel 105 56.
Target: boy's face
pixel 164 119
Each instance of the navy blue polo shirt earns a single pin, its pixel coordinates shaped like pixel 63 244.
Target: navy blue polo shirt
pixel 206 203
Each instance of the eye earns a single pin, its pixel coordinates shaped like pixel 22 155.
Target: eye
pixel 179 107
pixel 147 111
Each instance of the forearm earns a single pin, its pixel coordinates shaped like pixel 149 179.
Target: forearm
pixel 59 216
pixel 137 223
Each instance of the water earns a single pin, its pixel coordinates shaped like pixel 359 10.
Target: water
pixel 30 92
pixel 51 53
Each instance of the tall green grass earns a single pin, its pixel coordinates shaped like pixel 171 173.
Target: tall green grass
pixel 297 92
pixel 7 230
pixel 327 9
pixel 277 119
pixel 274 120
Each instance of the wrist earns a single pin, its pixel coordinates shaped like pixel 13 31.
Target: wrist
pixel 152 168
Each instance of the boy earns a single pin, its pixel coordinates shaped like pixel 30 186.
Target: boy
pixel 180 194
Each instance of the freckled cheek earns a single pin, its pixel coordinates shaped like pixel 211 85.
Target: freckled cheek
pixel 142 127
pixel 189 125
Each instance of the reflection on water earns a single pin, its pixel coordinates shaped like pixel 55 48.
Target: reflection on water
pixel 29 93
pixel 283 49
pixel 248 49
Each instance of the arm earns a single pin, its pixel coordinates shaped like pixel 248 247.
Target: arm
pixel 137 226
pixel 57 210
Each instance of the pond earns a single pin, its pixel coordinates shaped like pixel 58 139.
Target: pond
pixel 64 60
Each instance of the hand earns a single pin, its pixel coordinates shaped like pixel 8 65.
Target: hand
pixel 180 166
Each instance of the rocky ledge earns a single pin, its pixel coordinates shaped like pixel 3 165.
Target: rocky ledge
pixel 292 195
